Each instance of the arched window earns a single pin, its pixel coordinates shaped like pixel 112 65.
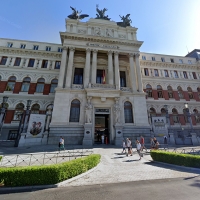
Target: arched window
pixel 163 112
pixel 11 83
pixel 75 111
pixel 197 115
pixel 149 90
pixel 180 92
pixel 175 115
pixel 159 91
pixel 190 93
pixel 128 113
pixel 0 78
pixel 152 112
pixel 25 84
pixel 185 115
pixel 54 84
pixel 170 91
pixel 35 109
pixel 19 109
pixel 40 85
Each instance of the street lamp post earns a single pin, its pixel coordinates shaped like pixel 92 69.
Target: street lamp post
pixel 189 116
pixel 3 111
pixel 23 125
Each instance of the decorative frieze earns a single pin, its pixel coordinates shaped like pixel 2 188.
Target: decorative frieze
pixel 102 45
pixel 103 86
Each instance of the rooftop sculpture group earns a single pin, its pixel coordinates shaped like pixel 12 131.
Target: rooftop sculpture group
pixel 126 21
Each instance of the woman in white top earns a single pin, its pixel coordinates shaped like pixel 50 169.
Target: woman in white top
pixel 138 148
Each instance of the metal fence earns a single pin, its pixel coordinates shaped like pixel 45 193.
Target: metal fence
pixel 47 158
pixel 193 151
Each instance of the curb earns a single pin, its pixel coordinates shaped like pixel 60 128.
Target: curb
pixel 10 189
pixel 177 166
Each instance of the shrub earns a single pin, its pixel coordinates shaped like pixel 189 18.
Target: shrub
pixel 1 158
pixel 186 160
pixel 44 175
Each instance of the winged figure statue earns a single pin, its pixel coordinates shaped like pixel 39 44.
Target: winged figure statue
pixel 101 13
pixel 126 21
pixel 77 14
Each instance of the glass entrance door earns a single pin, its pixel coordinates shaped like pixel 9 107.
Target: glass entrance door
pixel 101 129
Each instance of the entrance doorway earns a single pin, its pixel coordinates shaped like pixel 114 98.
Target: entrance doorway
pixel 101 129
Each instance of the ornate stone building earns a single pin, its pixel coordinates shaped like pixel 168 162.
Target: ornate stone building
pixel 99 83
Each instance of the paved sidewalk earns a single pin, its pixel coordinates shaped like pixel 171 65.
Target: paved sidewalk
pixel 116 167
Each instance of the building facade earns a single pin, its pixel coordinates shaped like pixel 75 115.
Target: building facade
pixel 99 83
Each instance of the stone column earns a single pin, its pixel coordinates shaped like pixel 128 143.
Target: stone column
pixel 62 68
pixel 139 76
pixel 35 63
pixel 117 74
pixel 87 69
pixel 94 66
pixel 70 67
pixel 132 73
pixel 110 68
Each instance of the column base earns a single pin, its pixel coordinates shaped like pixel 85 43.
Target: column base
pixel 118 134
pixel 87 140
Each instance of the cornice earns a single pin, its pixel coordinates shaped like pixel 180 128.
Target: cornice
pixel 92 38
pixel 30 52
pixel 168 65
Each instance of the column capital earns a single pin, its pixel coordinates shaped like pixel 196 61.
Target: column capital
pixel 64 48
pixel 72 48
pixel 94 50
pixel 131 55
pixel 137 55
pixel 88 50
pixel 110 52
pixel 116 53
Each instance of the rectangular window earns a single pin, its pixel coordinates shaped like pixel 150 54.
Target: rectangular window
pixel 181 61
pixel 17 61
pixel 12 135
pixel 35 47
pixel 153 58
pixel 99 76
pixel 59 49
pixel 156 72
pixel 194 75
pixel 172 60
pixel 48 48
pixel 166 73
pixel 143 57
pixel 175 74
pixel 163 59
pixel 57 64
pixel 146 72
pixel 3 60
pixel 190 62
pixel 78 76
pixel 44 63
pixel 9 44
pixel 185 75
pixel 22 46
pixel 122 79
pixel 31 62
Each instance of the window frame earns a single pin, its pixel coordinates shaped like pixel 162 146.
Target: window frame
pixel 31 62
pixel 156 73
pixel 128 112
pixel 75 111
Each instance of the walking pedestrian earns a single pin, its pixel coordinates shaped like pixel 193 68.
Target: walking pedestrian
pixel 142 143
pixel 138 148
pixel 128 144
pixel 124 146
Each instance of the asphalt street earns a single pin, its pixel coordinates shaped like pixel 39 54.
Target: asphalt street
pixel 165 189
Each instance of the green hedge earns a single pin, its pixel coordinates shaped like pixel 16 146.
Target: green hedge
pixel 45 175
pixel 0 158
pixel 186 160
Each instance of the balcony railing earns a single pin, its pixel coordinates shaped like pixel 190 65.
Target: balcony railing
pixel 103 86
pixel 77 86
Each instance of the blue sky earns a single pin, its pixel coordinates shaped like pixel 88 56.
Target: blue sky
pixel 166 26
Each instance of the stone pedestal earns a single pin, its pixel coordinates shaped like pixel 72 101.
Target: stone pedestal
pixel 87 140
pixel 171 138
pixel 44 137
pixel 194 139
pixel 118 134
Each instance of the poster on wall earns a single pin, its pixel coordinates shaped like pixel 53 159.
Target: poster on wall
pixel 36 124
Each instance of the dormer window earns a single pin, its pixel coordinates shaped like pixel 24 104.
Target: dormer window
pixel 143 57
pixel 163 59
pixel 9 44
pixel 190 62
pixel 181 61
pixel 153 58
pixel 48 48
pixel 22 46
pixel 172 60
